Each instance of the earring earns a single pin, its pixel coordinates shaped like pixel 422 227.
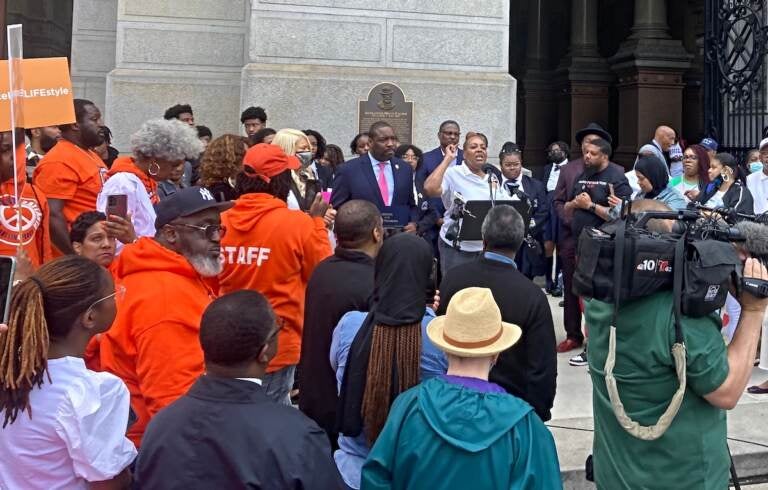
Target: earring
pixel 156 169
pixel 725 177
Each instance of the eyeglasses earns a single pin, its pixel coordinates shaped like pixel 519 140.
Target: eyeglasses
pixel 212 232
pixel 119 294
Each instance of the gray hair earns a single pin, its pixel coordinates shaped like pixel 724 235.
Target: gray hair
pixel 170 140
pixel 503 228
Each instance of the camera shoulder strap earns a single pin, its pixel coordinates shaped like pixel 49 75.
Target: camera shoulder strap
pixel 647 433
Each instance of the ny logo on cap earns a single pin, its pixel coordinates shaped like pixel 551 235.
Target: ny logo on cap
pixel 206 194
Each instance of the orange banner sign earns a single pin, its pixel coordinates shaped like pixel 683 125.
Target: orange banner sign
pixel 45 100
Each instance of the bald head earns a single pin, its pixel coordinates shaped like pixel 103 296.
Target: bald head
pixel 358 224
pixel 665 137
pixel 653 225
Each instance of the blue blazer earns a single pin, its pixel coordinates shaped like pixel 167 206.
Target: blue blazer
pixel 356 180
pixel 429 162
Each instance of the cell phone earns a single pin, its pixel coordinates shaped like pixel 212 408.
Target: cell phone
pixel 7 271
pixel 117 205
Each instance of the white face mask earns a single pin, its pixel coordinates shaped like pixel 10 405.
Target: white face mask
pixel 305 157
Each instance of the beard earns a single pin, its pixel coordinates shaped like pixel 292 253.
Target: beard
pixel 206 265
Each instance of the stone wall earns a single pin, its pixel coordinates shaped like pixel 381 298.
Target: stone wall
pixel 174 52
pixel 93 47
pixel 308 63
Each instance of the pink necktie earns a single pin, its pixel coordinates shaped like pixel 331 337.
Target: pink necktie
pixel 383 187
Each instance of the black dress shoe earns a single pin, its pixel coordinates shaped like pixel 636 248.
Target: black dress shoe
pixel 561 304
pixel 556 292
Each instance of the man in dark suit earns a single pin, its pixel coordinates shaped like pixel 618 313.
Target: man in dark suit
pixel 528 369
pixel 448 134
pixel 557 158
pixel 226 432
pixel 380 178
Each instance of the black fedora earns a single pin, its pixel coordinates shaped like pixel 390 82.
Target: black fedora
pixel 593 128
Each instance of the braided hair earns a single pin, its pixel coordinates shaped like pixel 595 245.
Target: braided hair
pixel 393 350
pixel 43 307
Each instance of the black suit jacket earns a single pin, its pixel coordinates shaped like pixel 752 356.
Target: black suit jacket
pixel 356 180
pixel 528 369
pixel 537 193
pixel 226 433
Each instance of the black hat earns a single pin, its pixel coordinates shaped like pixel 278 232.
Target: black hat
pixel 593 128
pixel 186 202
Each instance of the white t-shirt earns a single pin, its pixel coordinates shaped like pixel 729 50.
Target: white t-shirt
pixel 473 188
pixel 139 204
pixel 757 183
pixel 76 434
pixel 684 187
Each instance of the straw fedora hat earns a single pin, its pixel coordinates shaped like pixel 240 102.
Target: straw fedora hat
pixel 472 326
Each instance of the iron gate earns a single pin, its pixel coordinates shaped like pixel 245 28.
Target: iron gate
pixel 735 73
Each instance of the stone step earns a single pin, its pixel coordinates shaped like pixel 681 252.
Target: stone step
pixel 573 438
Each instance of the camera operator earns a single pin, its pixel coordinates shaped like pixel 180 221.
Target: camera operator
pixel 693 452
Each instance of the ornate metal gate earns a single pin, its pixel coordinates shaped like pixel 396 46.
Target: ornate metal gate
pixel 735 73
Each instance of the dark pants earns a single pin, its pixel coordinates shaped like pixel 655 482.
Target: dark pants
pixel 572 313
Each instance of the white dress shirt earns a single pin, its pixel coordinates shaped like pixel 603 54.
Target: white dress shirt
pixel 76 434
pixel 554 175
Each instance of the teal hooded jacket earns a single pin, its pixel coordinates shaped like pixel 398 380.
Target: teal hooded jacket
pixel 440 435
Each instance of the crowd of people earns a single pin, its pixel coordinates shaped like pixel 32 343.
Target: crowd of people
pixel 226 311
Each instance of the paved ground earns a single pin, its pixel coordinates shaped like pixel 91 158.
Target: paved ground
pixel 573 409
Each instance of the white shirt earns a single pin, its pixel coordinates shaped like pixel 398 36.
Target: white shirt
pixel 716 201
pixel 684 187
pixel 76 434
pixel 473 188
pixel 554 175
pixel 139 203
pixel 757 183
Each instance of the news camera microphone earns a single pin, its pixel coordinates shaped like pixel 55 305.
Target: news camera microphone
pixel 755 239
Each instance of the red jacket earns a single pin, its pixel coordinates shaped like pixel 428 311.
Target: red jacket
pixel 273 250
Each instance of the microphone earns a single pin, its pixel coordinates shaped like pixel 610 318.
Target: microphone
pixel 755 239
pixel 490 169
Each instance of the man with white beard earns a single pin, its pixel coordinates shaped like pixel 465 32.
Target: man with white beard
pixel 153 345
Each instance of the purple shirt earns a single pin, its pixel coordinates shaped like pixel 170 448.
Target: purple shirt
pixel 473 383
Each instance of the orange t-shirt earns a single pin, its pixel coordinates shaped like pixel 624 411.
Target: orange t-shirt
pixel 35 233
pixel 273 250
pixel 71 174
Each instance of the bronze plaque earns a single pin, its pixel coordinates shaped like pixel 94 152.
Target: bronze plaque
pixel 386 102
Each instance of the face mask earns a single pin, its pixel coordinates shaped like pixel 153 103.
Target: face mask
pixel 305 157
pixel 755 167
pixel 555 156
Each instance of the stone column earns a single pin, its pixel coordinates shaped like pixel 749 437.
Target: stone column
pixel 309 63
pixel 93 48
pixel 540 103
pixel 650 67
pixel 583 76
pixel 177 52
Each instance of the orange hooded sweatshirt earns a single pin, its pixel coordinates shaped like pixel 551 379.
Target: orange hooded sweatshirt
pixel 34 231
pixel 154 345
pixel 273 250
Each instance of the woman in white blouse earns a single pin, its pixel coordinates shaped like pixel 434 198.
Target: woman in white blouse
pixel 471 182
pixel 158 147
pixel 63 425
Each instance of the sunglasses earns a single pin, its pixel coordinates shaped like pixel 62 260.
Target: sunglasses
pixel 119 294
pixel 211 232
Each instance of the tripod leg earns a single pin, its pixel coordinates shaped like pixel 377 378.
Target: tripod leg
pixel 734 476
